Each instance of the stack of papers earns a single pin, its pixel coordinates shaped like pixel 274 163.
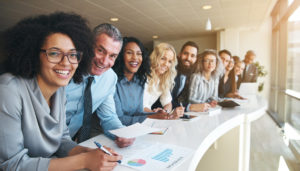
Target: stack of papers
pixel 212 111
pixel 134 130
pixel 153 123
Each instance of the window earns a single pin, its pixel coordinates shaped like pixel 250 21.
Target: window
pixel 285 82
pixel 293 70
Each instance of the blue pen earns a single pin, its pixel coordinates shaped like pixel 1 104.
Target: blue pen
pixel 104 150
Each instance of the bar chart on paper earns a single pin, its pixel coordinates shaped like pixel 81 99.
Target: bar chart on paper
pixel 164 156
pixel 156 156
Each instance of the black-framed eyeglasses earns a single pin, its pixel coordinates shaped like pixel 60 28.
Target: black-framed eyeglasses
pixel 56 56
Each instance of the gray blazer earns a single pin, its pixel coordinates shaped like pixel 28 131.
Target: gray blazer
pixel 30 132
pixel 250 75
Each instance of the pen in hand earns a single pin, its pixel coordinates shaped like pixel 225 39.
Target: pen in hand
pixel 104 150
pixel 185 116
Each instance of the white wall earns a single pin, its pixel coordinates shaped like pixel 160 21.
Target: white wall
pixel 238 41
pixel 204 42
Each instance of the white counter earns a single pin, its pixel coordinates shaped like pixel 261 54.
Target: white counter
pixel 201 133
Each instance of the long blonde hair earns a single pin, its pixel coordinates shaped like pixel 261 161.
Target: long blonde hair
pixel 166 80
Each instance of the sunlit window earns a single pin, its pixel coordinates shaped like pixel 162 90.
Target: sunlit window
pixel 293 63
pixel 293 69
pixel 290 2
pixel 295 16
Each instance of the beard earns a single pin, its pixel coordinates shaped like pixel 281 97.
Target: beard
pixel 185 70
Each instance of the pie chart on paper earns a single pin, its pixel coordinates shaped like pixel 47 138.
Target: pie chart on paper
pixel 136 162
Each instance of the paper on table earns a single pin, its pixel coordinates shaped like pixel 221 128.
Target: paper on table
pixel 153 123
pixel 147 155
pixel 210 112
pixel 133 131
pixel 144 155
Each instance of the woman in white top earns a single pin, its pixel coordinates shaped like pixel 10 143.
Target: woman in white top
pixel 205 80
pixel 163 61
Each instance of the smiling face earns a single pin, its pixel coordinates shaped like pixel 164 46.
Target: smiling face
pixel 132 58
pixel 249 58
pixel 56 75
pixel 239 68
pixel 230 65
pixel 165 62
pixel 106 52
pixel 188 56
pixel 209 63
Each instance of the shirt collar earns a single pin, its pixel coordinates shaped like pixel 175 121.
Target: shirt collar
pixel 125 80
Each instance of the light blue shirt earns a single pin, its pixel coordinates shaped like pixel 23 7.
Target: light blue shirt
pixel 103 90
pixel 129 101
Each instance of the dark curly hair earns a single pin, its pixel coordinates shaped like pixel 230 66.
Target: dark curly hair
pixel 144 69
pixel 24 41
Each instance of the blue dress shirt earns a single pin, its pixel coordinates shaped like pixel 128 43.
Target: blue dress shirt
pixel 103 90
pixel 129 101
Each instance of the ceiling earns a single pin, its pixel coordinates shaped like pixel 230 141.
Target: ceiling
pixel 168 19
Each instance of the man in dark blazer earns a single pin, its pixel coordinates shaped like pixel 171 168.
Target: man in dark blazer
pixel 186 59
pixel 250 73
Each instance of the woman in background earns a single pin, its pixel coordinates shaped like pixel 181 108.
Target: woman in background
pixel 160 82
pixel 235 77
pixel 43 54
pixel 205 80
pixel 132 67
pixel 225 83
pixel 236 59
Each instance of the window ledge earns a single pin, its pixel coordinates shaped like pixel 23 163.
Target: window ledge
pixel 293 93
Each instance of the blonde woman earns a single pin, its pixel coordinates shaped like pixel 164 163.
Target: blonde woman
pixel 160 82
pixel 203 89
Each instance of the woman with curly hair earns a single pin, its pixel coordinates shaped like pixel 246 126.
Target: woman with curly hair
pixel 161 80
pixel 203 88
pixel 43 54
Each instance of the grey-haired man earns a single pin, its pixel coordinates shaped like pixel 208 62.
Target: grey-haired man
pixel 108 43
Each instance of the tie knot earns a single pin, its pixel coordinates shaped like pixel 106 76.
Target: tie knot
pixel 90 80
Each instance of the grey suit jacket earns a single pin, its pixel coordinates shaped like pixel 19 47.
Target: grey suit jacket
pixel 250 75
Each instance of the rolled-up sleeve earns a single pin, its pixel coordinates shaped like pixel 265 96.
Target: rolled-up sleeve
pixel 108 117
